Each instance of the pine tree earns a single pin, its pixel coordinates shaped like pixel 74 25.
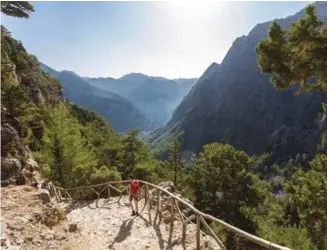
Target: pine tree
pixel 175 162
pixel 58 164
pixel 66 155
pixel 99 134
pixel 13 98
pixel 20 9
pixel 131 148
pixel 297 55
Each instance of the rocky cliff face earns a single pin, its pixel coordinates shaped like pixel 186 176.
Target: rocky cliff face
pixel 17 162
pixel 234 103
pixel 22 72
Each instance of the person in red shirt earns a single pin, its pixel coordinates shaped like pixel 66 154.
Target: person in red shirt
pixel 134 191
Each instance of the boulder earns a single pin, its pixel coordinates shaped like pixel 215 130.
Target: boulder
pixel 72 227
pixel 10 141
pixel 31 164
pixel 10 168
pixel 29 238
pixel 59 236
pixel 166 217
pixel 21 179
pixel 43 195
pixel 37 96
pixel 8 134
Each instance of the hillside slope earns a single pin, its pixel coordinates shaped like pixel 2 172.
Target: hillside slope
pixel 234 103
pixel 40 128
pixel 117 110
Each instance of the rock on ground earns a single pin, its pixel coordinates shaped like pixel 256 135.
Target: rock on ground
pixel 43 195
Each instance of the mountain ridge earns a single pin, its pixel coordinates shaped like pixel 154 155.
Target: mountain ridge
pixel 150 94
pixel 116 109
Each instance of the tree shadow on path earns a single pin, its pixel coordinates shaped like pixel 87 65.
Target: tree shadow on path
pixel 124 232
pixel 125 228
pixel 156 227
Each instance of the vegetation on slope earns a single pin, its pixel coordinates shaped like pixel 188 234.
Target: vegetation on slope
pixel 73 146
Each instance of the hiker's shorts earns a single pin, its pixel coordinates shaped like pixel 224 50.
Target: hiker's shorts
pixel 133 197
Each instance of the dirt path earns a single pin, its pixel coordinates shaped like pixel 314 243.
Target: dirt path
pixel 101 224
pixel 109 225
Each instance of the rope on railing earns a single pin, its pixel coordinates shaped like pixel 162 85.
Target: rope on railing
pixel 175 200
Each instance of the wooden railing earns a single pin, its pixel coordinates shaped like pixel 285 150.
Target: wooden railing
pixel 62 194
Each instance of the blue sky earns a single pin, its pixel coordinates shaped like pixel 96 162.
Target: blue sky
pixel 169 39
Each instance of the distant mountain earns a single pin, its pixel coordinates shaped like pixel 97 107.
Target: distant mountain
pixel 134 78
pixel 117 110
pixel 234 103
pixel 157 97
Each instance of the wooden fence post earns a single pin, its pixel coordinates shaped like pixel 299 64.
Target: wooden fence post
pixel 187 220
pixel 146 193
pixel 172 211
pixel 150 201
pixel 171 230
pixel 109 194
pixel 69 196
pixel 55 191
pixel 198 224
pixel 59 191
pixel 184 234
pixel 159 204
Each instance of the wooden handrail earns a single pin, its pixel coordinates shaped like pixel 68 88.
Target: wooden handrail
pixel 198 213
pixel 91 186
pixel 236 230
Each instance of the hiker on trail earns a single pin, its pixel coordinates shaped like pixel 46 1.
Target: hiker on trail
pixel 134 194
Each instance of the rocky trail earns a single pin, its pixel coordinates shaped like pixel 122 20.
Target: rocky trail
pixel 97 224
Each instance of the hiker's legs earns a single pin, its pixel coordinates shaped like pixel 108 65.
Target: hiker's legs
pixel 131 203
pixel 136 205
